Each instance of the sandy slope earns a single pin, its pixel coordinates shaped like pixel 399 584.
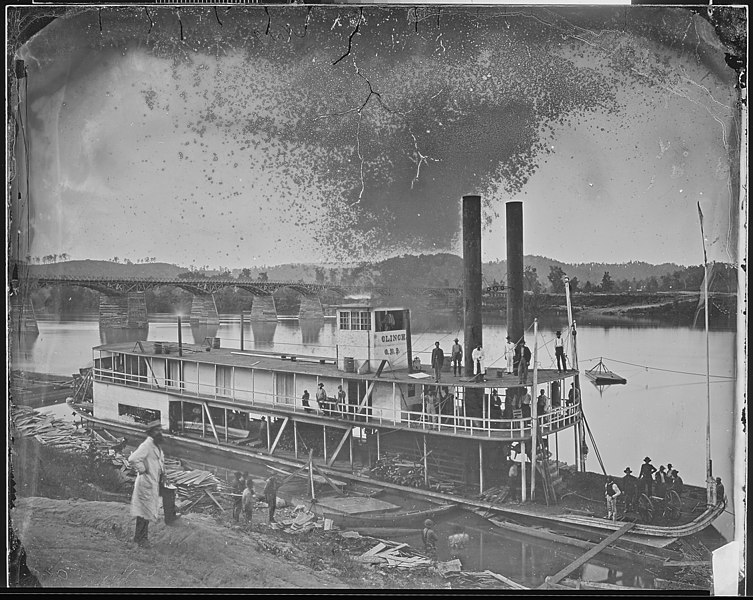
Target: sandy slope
pixel 78 543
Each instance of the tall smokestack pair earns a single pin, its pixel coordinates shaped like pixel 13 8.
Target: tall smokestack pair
pixel 472 274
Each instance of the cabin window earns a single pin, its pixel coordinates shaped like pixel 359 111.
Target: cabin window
pixel 355 320
pixel 138 414
pixel 411 390
pixel 173 376
pixel 224 381
pixel 389 320
pixel 136 366
pixel 284 388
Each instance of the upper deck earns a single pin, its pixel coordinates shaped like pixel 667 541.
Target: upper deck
pixel 228 379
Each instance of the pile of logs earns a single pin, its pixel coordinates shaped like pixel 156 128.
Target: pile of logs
pixel 483 579
pixel 396 469
pixel 496 495
pixel 393 554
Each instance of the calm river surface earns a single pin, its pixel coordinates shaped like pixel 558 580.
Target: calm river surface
pixel 660 413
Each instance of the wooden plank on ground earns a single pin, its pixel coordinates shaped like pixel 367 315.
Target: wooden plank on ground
pixel 509 582
pixel 588 555
pixel 213 499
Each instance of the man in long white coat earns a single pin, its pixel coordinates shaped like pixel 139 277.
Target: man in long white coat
pixel 479 360
pixel 149 462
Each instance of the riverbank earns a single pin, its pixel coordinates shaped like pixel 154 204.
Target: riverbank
pixel 73 538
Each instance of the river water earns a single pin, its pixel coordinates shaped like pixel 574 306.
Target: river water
pixel 660 412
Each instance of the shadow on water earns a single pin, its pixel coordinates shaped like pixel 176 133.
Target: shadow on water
pixel 263 332
pixel 113 335
pixel 311 330
pixel 202 331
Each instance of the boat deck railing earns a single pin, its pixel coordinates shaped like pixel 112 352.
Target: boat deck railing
pixel 456 423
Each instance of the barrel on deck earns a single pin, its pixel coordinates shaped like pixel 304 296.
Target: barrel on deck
pixel 215 342
pixel 349 364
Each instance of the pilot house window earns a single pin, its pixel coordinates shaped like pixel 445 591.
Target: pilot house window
pixel 355 320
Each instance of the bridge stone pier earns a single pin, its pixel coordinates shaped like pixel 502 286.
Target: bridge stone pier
pixel 311 308
pixel 263 309
pixel 22 317
pixel 204 311
pixel 123 311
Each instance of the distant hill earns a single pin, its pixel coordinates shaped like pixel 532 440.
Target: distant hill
pixel 104 268
pixel 425 270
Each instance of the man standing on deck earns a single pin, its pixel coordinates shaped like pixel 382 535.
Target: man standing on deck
pixel 559 351
pixel 270 495
pixel 630 485
pixel 149 462
pixel 321 399
pixel 437 361
pixel 456 358
pixel 611 492
pixel 478 358
pixel 524 356
pixel 342 403
pixel 646 477
pixel 509 355
pixel 720 491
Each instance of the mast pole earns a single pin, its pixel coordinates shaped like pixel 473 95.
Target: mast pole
pixel 534 409
pixel 709 477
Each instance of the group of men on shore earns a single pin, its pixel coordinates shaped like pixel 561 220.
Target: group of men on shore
pixel 244 504
pixel 650 481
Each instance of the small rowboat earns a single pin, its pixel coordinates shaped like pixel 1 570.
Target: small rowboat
pixel 410 519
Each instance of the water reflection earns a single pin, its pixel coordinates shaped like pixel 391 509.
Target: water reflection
pixel 311 330
pixel 264 332
pixel 116 335
pixel 21 344
pixel 201 331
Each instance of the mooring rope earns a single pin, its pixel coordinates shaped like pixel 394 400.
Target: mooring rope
pixel 647 368
pixel 593 441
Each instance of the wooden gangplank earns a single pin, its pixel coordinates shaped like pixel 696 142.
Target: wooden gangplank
pixel 587 556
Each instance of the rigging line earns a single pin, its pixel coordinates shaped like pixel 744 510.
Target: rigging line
pixel 593 441
pixel 668 370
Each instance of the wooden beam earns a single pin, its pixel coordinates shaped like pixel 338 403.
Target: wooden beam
pixel 332 458
pixel 295 438
pixel 279 434
pixel 587 556
pixel 211 422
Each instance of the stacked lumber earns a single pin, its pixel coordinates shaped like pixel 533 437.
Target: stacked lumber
pixel 195 489
pixel 48 430
pixel 483 579
pixel 496 495
pixel 396 469
pixel 393 554
pixel 304 521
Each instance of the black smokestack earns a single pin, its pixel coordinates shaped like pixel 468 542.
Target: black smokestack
pixel 471 277
pixel 515 319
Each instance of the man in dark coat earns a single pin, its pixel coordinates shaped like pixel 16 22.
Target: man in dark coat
pixel 524 359
pixel 270 495
pixel 437 361
pixel 630 487
pixel 646 477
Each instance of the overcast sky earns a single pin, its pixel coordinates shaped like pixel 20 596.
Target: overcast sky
pixel 249 143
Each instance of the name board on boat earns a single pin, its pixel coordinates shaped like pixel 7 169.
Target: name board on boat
pixel 390 344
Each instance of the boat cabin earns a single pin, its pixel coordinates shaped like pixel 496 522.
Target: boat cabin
pixel 366 387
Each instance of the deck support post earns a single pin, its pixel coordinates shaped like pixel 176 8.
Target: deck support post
pixel 577 449
pixel 311 474
pixel 324 434
pixel 348 433
pixel 203 425
pixel 225 425
pixel 269 433
pixel 182 418
pixel 211 422
pixel 481 467
pixel 379 455
pixel 426 464
pixel 350 451
pixel 523 490
pixel 279 434
pixel 295 438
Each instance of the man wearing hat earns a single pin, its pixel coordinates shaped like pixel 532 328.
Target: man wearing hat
pixel 559 351
pixel 630 485
pixel 524 359
pixel 456 358
pixel 321 398
pixel 149 462
pixel 646 476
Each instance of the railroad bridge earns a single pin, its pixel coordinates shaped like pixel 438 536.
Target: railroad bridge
pixel 122 300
